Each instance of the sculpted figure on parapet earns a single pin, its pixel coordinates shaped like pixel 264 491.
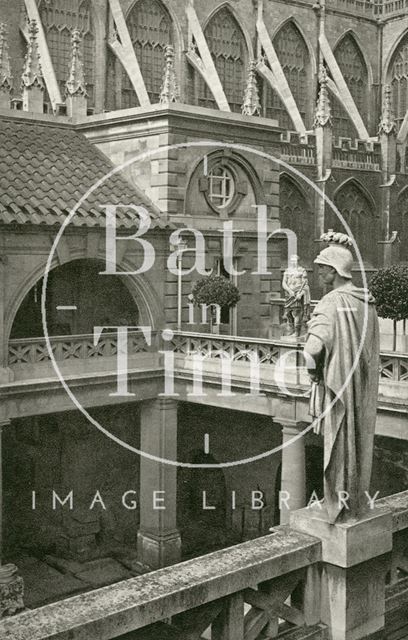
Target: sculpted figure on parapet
pixel 297 292
pixel 342 354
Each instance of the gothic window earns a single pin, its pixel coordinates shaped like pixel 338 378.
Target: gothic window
pixel 293 55
pixel 295 214
pixel 398 77
pixel 399 222
pixel 228 50
pixel 60 18
pixel 354 70
pixel 150 29
pixel 357 211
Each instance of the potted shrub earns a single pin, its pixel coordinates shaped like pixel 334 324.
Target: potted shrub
pixel 215 290
pixel 390 289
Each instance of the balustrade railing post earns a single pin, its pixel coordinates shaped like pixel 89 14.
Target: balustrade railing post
pixel 307 598
pixel 229 624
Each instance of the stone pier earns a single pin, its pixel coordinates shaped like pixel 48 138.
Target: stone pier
pixel 355 560
pixel 159 542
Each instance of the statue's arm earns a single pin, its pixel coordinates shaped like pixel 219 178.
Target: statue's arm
pixel 314 351
pixel 285 285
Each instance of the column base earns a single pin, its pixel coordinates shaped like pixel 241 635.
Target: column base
pixel 155 552
pixel 11 591
pixel 356 558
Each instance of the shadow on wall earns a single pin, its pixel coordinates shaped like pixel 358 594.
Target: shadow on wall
pixel 202 507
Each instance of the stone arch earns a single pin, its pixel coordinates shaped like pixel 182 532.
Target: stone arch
pixel 230 49
pixel 296 213
pixel 357 207
pixel 228 6
pixel 357 75
pixel 59 18
pixel 299 27
pixel 151 313
pixel 297 61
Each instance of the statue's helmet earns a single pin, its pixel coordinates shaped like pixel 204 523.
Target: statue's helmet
pixel 338 257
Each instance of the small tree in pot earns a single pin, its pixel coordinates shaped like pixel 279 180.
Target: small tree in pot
pixel 215 292
pixel 390 289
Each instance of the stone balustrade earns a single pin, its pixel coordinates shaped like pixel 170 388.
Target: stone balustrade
pixel 394 366
pixel 264 588
pixel 391 8
pixel 294 150
pixel 367 8
pixel 358 155
pixel 240 592
pixel 34 350
pixel 370 8
pixel 29 358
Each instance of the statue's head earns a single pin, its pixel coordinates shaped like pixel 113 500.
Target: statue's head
pixel 337 255
pixel 294 260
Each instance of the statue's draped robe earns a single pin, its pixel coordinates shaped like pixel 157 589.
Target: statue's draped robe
pixel 349 425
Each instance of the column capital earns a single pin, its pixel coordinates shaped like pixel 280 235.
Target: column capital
pixel 166 403
pixel 290 426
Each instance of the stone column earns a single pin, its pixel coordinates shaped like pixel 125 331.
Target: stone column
pixel 293 469
pixel 159 542
pixel 387 134
pixel 11 585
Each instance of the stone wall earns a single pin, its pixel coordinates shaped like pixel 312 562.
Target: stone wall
pixel 233 435
pixel 64 453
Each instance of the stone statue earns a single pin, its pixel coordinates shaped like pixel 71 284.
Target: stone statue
pixel 297 292
pixel 343 342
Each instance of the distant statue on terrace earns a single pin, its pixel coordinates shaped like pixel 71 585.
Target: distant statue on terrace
pixel 343 342
pixel 297 293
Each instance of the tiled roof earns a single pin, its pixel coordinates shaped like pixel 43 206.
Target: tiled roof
pixel 45 169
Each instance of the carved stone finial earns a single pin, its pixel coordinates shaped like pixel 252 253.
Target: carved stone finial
pixel 388 125
pixel 251 105
pixel 76 85
pixel 6 79
pixel 32 73
pixel 323 109
pixel 170 90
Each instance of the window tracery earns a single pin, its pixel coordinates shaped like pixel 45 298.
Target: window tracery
pixel 59 19
pixel 227 45
pixel 295 214
pixel 293 55
pixel 399 222
pixel 399 80
pixel 150 28
pixel 357 211
pixel 354 70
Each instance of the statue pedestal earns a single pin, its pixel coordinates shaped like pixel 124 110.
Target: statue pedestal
pixel 356 558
